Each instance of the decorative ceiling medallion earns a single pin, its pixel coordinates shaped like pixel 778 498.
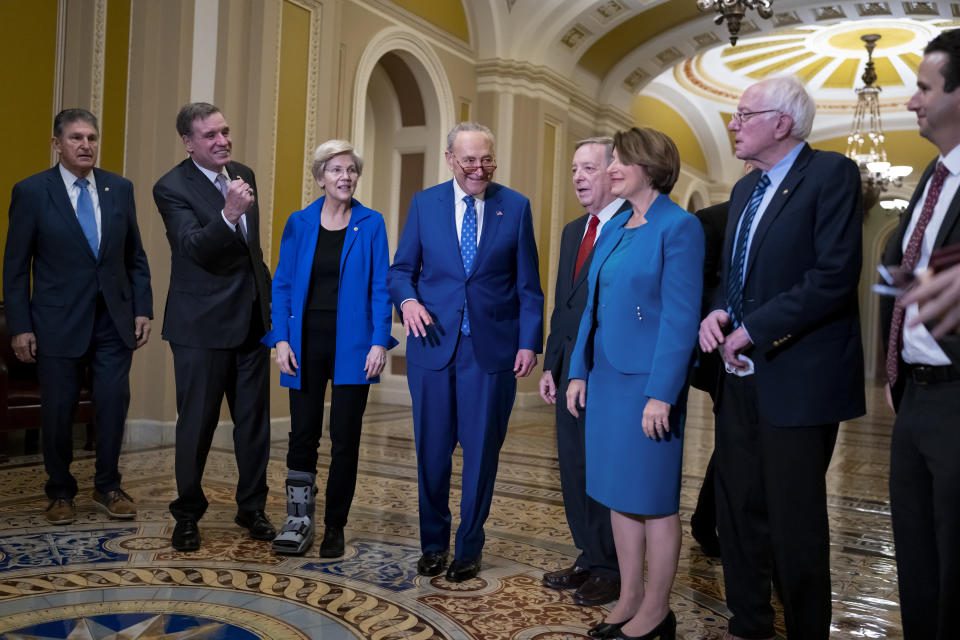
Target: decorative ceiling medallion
pixel 706 39
pixel 574 36
pixel 608 10
pixel 866 9
pixel 786 19
pixel 921 9
pixel 829 13
pixel 635 79
pixel 668 56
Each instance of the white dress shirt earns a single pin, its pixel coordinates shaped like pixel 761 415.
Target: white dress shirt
pixel 604 216
pixel 460 208
pixel 73 191
pixel 212 177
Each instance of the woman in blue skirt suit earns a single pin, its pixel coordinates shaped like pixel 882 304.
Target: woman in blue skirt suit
pixel 629 369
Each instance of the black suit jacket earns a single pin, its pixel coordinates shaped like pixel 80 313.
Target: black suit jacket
pixel 215 277
pixel 714 221
pixel 800 291
pixel 893 254
pixel 570 299
pixel 45 238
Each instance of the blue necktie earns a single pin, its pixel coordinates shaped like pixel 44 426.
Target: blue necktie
pixel 86 216
pixel 735 279
pixel 468 250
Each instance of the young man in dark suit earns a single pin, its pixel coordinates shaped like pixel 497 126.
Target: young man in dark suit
pixel 73 228
pixel 594 573
pixel 218 308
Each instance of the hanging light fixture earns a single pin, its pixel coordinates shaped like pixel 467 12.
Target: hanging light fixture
pixel 733 11
pixel 865 142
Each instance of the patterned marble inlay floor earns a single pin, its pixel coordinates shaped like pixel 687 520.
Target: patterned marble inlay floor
pixel 99 577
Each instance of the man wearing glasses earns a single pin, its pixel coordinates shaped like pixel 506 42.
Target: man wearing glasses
pixel 466 281
pixel 786 323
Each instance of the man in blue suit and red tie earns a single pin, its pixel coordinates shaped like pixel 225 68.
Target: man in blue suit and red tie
pixel 465 278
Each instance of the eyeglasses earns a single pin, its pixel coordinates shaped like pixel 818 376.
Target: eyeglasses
pixel 743 116
pixel 338 171
pixel 487 164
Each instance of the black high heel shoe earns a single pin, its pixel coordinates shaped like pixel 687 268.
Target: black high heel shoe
pixel 606 630
pixel 666 630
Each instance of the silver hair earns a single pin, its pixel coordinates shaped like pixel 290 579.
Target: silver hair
pixel 606 141
pixel 332 148
pixel 467 126
pixel 787 95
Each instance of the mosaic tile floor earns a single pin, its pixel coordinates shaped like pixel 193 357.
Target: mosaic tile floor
pixel 100 578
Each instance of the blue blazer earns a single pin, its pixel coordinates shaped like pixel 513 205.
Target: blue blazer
pixel 363 305
pixel 651 317
pixel 503 291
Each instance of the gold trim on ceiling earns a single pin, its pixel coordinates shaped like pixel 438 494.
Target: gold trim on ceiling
pixel 808 72
pixel 776 67
pixel 844 75
pixel 743 48
pixel 912 60
pixel 740 63
pixel 887 75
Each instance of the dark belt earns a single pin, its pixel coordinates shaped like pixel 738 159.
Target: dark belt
pixel 928 374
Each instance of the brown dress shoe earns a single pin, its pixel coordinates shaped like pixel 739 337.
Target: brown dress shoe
pixel 597 590
pixel 116 504
pixel 60 511
pixel 569 578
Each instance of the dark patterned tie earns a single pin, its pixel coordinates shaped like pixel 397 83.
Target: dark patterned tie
pixel 909 262
pixel 586 245
pixel 468 250
pixel 735 277
pixel 87 216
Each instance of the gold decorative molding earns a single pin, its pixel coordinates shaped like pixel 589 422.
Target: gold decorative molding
pixel 99 57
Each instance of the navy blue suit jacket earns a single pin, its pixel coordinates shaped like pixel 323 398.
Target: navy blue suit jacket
pixel 45 238
pixel 502 291
pixel 800 291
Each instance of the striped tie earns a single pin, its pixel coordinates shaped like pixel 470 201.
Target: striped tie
pixel 735 277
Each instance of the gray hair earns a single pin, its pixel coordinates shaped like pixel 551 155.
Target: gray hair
pixel 193 111
pixel 467 126
pixel 332 148
pixel 787 95
pixel 606 141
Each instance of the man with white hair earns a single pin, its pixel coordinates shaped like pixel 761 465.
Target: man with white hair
pixel 787 325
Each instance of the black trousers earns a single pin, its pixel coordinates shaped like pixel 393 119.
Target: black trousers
pixel 347 404
pixel 203 378
pixel 589 520
pixel 925 503
pixel 772 516
pixel 60 381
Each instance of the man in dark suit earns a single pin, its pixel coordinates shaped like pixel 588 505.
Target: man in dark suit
pixel 218 308
pixel 465 278
pixel 594 574
pixel 786 322
pixel 923 373
pixel 73 228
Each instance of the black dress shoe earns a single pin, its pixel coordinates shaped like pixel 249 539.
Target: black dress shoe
pixel 186 536
pixel 332 545
pixel 666 630
pixel 463 570
pixel 256 523
pixel 569 578
pixel 606 630
pixel 432 563
pixel 597 590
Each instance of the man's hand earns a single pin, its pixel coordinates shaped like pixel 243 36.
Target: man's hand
pixel 416 318
pixel 889 396
pixel 548 389
pixel 939 299
pixel 524 363
pixel 239 198
pixel 733 345
pixel 576 396
pixel 286 360
pixel 25 346
pixel 711 330
pixel 376 360
pixel 141 330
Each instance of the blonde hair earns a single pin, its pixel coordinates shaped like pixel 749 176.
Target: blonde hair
pixel 332 148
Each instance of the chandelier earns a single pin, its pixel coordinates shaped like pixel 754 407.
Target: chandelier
pixel 865 142
pixel 733 11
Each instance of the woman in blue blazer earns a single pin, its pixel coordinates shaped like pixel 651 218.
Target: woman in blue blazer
pixel 331 321
pixel 630 365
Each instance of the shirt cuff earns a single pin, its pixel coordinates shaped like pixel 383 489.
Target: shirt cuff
pixel 232 226
pixel 405 302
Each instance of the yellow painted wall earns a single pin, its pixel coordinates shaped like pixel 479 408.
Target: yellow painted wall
pixel 548 154
pixel 291 118
pixel 653 113
pixel 113 121
pixel 28 47
pixel 446 14
pixel 903 147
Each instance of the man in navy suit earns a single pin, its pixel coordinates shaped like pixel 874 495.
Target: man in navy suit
pixel 786 322
pixel 594 574
pixel 465 278
pixel 73 228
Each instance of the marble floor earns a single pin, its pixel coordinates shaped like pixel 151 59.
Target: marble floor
pixel 101 578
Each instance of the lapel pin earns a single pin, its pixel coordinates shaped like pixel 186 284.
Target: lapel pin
pixel 106 188
pixel 786 191
pixel 499 213
pixel 355 228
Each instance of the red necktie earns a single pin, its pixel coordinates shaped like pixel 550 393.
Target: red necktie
pixel 909 262
pixel 586 244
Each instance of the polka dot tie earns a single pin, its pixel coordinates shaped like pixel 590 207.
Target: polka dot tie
pixel 468 250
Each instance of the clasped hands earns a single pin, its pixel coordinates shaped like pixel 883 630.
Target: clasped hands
pixel 731 346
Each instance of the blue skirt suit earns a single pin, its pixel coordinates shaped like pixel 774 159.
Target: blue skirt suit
pixel 636 342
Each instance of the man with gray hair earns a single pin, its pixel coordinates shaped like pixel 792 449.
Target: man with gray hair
pixel 594 573
pixel 787 325
pixel 466 281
